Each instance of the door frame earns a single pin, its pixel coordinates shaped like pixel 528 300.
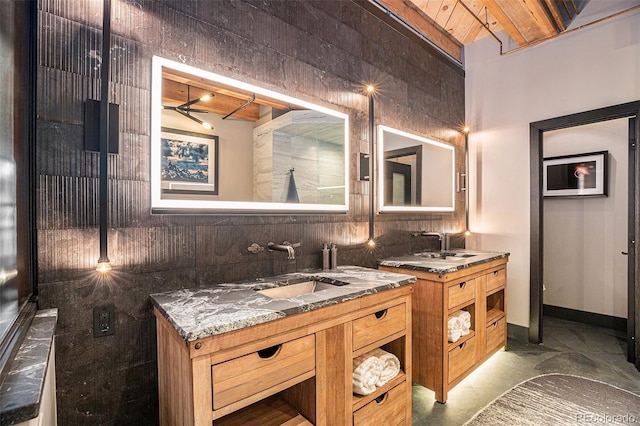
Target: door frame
pixel 407 152
pixel 536 136
pixel 390 169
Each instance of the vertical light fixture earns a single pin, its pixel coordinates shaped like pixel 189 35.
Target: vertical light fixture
pixel 104 265
pixel 465 130
pixel 371 242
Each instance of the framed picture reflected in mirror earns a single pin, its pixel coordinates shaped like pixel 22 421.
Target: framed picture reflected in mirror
pixel 189 162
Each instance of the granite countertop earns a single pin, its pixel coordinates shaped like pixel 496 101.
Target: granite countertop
pixel 198 313
pixel 442 262
pixel 21 391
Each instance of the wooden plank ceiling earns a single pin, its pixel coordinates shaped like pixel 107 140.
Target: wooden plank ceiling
pixel 526 22
pixel 179 88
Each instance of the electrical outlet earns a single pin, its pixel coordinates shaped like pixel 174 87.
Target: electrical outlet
pixel 103 321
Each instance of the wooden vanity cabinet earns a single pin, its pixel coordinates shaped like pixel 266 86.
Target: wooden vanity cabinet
pixel 296 370
pixel 481 290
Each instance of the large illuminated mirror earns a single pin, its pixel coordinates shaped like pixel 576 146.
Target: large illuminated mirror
pixel 219 145
pixel 414 173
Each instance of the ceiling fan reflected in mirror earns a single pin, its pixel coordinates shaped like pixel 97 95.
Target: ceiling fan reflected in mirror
pixel 186 110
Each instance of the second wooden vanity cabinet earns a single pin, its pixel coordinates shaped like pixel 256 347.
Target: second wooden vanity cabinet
pixel 480 290
pixel 295 370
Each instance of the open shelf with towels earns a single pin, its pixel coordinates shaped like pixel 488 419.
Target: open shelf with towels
pixel 461 323
pixel 384 333
pixel 395 347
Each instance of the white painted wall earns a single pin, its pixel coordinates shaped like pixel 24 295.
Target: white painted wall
pixel 584 237
pixel 593 67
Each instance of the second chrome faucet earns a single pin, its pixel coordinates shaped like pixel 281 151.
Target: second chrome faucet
pixel 286 246
pixel 443 239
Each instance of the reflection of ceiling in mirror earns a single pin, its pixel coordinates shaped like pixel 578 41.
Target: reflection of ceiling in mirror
pixel 179 87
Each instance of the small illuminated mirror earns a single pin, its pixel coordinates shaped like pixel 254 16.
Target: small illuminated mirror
pixel 414 173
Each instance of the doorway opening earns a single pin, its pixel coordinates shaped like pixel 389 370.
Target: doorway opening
pixel 629 112
pixel 402 167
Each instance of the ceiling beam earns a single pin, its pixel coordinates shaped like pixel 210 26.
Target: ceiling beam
pixel 544 21
pixel 528 17
pixel 555 14
pixel 505 21
pixel 415 17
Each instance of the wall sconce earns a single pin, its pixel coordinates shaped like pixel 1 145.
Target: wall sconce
pixel 365 174
pixel 92 126
pixel 461 182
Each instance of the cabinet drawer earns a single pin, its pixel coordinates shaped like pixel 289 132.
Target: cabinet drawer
pixel 388 409
pixel 258 371
pixel 462 293
pixel 496 335
pixel 378 325
pixel 461 358
pixel 496 279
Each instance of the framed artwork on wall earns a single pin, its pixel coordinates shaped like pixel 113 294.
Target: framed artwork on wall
pixel 578 175
pixel 189 162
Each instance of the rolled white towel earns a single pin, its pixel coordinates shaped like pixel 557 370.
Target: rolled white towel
pixel 464 321
pixel 366 372
pixel 464 316
pixel 390 365
pixel 454 328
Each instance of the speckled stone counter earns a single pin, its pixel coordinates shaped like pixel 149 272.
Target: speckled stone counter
pixel 21 391
pixel 444 261
pixel 202 312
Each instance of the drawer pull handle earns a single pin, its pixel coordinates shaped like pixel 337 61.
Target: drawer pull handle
pixel 462 345
pixel 269 352
pixel 380 314
pixel 495 324
pixel 495 273
pixel 463 285
pixel 381 398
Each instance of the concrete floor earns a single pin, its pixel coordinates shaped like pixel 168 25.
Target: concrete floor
pixel 568 347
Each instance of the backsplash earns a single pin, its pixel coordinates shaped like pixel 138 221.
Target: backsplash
pixel 322 51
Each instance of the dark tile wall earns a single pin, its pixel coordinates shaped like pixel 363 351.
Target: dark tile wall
pixel 321 51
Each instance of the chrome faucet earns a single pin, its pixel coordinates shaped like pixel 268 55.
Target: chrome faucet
pixel 285 246
pixel 441 237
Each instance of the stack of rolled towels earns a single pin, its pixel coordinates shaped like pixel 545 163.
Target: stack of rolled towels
pixel 374 369
pixel 458 324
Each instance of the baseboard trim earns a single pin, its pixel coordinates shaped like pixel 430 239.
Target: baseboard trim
pixel 590 318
